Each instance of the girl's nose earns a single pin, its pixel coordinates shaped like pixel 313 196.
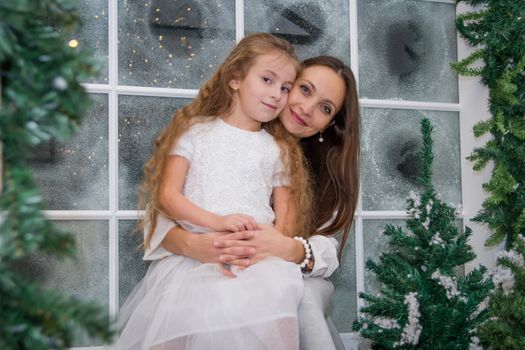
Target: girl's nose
pixel 276 93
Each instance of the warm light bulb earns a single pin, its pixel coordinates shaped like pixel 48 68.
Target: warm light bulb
pixel 73 43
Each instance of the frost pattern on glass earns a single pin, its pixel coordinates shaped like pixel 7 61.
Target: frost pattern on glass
pixel 93 35
pixel 86 276
pixel 391 140
pixel 313 27
pixel 406 54
pixel 140 121
pixel 74 175
pixel 173 43
pixel 343 308
pixel 375 243
pixel 130 264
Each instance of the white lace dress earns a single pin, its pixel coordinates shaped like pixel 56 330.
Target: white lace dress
pixel 183 304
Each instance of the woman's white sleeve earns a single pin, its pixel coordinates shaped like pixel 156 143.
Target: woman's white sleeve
pixel 155 251
pixel 324 250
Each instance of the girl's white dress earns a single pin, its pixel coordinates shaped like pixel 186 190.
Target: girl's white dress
pixel 183 304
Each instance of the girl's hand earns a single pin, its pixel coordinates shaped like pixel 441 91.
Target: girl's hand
pixel 235 223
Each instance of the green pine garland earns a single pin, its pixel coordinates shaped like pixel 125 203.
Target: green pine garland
pixel 41 98
pixel 424 304
pixel 498 31
pixel 505 327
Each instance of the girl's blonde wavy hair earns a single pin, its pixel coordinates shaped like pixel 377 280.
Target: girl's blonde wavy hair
pixel 215 99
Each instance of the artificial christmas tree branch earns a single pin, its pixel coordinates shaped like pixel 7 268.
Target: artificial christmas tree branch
pixel 41 99
pixel 497 31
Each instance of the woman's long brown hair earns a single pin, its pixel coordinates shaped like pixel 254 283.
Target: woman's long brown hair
pixel 215 99
pixel 334 163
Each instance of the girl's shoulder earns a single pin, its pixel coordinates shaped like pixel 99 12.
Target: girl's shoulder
pixel 203 124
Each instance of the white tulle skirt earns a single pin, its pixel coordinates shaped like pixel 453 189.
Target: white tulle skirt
pixel 183 304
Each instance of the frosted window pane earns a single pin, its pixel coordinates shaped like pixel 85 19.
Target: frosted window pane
pixel 74 175
pixel 93 35
pixel 173 43
pixel 85 276
pixel 314 27
pixel 130 264
pixel 405 48
pixel 343 308
pixel 391 140
pixel 140 121
pixel 375 243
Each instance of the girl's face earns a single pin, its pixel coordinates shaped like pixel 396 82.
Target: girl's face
pixel 316 97
pixel 262 94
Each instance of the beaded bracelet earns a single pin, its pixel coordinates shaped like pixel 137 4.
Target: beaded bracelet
pixel 307 252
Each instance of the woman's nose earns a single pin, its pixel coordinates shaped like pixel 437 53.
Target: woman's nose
pixel 307 108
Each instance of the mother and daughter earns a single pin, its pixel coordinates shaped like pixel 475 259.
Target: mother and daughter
pixel 239 211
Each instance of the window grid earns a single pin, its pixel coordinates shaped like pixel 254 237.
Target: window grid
pixel 114 90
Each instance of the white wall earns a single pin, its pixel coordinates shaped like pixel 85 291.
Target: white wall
pixel 473 98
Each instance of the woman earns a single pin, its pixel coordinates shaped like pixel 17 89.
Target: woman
pixel 323 111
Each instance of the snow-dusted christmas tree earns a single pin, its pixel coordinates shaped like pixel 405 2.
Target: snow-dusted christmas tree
pixel 425 301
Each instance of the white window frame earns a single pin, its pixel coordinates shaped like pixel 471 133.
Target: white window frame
pixel 472 107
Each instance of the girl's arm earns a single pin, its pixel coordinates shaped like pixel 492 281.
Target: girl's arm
pixel 178 207
pixel 174 203
pixel 284 211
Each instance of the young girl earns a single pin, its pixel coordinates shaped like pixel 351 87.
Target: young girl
pixel 216 168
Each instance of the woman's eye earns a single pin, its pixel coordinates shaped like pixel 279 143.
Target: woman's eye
pixel 326 110
pixel 304 89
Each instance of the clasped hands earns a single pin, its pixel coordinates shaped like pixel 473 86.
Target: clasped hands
pixel 242 242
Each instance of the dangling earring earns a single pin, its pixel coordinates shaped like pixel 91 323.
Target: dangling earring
pixel 321 136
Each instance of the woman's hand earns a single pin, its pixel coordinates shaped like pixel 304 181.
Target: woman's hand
pixel 266 242
pixel 201 246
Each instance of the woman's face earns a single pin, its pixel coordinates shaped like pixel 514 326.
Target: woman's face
pixel 316 97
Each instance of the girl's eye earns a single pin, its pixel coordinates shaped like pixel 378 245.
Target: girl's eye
pixel 267 80
pixel 285 89
pixel 326 110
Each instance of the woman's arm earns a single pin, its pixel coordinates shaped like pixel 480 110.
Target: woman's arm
pixel 270 242
pixel 201 246
pixel 241 248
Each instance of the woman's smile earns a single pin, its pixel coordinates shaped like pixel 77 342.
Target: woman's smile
pixel 297 118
